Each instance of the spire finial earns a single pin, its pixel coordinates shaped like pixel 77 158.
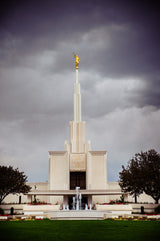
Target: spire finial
pixel 77 94
pixel 77 60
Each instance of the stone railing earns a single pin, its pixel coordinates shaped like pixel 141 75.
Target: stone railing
pixel 118 209
pixel 22 208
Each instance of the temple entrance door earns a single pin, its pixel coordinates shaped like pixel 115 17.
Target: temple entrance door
pixel 77 179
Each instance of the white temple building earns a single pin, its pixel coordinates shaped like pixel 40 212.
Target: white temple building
pixel 77 166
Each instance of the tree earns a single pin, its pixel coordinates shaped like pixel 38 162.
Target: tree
pixel 12 181
pixel 142 175
pixel 150 168
pixel 129 179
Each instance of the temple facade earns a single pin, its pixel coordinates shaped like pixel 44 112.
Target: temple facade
pixel 76 166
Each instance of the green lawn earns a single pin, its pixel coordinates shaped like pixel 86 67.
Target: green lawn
pixel 80 230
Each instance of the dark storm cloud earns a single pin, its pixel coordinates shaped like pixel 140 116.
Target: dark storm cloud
pixel 118 45
pixel 66 26
pixel 46 24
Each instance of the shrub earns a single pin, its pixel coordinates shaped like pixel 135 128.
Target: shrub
pixel 157 209
pixel 1 211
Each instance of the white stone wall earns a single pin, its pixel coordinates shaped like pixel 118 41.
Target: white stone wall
pixel 97 169
pixel 59 171
pixel 99 199
pixel 56 199
pixel 15 199
pixel 58 174
pixel 144 198
pixel 24 198
pixel 97 174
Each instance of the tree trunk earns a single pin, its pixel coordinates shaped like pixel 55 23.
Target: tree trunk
pixel 156 201
pixel 135 196
pixel 1 199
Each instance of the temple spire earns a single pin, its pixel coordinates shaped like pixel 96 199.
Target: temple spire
pixel 77 94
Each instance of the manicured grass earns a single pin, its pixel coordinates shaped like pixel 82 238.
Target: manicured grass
pixel 80 230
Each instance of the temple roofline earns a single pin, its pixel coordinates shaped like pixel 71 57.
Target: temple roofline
pixel 57 152
pixel 98 152
pixel 73 192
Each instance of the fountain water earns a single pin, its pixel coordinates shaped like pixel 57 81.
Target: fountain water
pixel 77 200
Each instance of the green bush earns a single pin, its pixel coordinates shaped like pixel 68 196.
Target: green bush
pixel 157 210
pixel 1 211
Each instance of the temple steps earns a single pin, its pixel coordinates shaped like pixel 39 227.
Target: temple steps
pixel 77 215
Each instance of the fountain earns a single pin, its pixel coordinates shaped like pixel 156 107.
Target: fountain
pixel 77 200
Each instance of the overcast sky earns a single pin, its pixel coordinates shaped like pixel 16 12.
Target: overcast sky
pixel 119 72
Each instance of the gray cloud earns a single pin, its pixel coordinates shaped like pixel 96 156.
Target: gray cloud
pixel 118 45
pixel 123 133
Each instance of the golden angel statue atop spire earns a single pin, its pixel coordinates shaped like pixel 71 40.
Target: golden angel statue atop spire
pixel 77 60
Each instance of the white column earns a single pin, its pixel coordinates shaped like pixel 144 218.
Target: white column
pixel 77 76
pixel 77 100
